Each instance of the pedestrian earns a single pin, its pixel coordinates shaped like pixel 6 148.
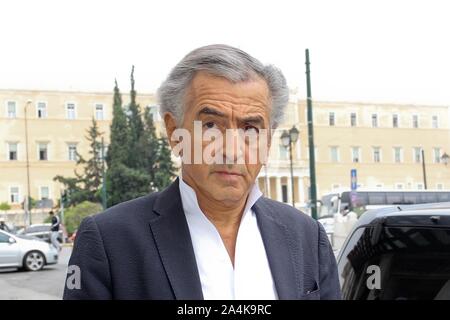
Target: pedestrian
pixel 55 230
pixel 3 225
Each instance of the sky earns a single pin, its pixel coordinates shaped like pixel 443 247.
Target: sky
pixel 371 51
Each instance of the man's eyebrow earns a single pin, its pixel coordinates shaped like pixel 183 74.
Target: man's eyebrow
pixel 210 111
pixel 252 119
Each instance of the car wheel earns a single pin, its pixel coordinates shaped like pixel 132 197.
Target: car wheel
pixel 34 261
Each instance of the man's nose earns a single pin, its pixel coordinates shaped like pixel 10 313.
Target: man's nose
pixel 233 148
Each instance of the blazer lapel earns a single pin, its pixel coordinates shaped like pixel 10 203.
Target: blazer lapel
pixel 280 252
pixel 173 240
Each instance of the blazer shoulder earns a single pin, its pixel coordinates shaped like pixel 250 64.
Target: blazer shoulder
pixel 128 211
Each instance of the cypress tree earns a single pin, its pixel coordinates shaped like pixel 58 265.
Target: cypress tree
pixel 118 149
pixel 136 126
pixel 165 171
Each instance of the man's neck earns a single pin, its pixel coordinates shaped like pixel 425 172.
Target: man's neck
pixel 226 219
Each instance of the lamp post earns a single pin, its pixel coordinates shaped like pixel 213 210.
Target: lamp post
pixel 27 199
pixel 288 139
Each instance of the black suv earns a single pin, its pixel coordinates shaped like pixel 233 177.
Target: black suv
pixel 406 247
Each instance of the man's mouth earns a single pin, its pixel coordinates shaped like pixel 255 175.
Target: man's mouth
pixel 228 173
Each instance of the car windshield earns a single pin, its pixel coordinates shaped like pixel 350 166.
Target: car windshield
pixel 413 263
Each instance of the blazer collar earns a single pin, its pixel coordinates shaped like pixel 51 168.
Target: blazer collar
pixel 173 240
pixel 281 251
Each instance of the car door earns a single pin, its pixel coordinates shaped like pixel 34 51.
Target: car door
pixel 9 252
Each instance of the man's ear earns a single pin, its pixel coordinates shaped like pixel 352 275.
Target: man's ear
pixel 171 125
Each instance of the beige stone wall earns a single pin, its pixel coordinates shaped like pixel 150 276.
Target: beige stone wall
pixel 55 130
pixel 58 131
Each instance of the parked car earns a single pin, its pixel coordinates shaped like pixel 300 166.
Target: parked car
pixel 25 252
pixel 406 247
pixel 41 231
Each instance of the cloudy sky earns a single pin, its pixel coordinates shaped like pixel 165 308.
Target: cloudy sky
pixel 381 51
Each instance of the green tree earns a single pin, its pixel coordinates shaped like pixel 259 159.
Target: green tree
pixel 74 215
pixel 136 126
pixel 4 206
pixel 126 183
pixel 149 147
pixel 85 186
pixel 118 149
pixel 93 166
pixel 138 162
pixel 165 170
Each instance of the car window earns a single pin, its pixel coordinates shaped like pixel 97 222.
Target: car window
pixel 413 262
pixel 4 238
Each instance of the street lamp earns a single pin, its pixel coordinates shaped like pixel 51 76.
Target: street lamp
pixel 288 139
pixel 27 199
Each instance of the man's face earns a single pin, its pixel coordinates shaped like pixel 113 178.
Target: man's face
pixel 222 105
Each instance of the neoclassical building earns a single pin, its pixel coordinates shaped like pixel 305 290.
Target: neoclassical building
pixel 383 142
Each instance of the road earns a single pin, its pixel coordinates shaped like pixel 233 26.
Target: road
pixel 47 284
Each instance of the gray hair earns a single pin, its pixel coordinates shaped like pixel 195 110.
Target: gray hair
pixel 224 61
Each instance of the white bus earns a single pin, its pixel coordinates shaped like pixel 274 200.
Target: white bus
pixel 341 202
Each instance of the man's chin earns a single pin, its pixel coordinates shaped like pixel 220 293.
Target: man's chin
pixel 228 199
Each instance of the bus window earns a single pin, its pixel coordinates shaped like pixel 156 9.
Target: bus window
pixel 394 198
pixel 377 198
pixel 443 196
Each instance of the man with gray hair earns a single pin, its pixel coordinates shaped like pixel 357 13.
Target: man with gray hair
pixel 211 234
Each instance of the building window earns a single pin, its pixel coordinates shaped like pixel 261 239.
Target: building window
pixel 435 122
pixel 395 121
pixel 72 151
pixel 11 109
pixel 12 151
pixel 45 193
pixel 43 151
pixel 415 121
pixel 334 154
pixel 353 119
pixel 399 186
pixel 374 120
pixel 41 110
pixel 398 155
pixel 440 186
pixel 376 154
pixel 437 155
pixel 99 111
pixel 71 111
pixel 331 119
pixel 356 154
pixel 283 152
pixel 420 186
pixel 417 153
pixel 14 195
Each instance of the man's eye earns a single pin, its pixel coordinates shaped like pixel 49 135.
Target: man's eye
pixel 209 125
pixel 251 129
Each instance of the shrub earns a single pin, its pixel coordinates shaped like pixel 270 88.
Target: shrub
pixel 74 215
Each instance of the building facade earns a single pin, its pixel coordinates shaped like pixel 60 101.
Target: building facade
pixel 383 142
pixel 51 126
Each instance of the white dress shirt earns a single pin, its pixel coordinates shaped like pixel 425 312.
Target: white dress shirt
pixel 251 277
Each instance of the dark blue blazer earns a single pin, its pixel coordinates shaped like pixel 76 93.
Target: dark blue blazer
pixel 141 249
